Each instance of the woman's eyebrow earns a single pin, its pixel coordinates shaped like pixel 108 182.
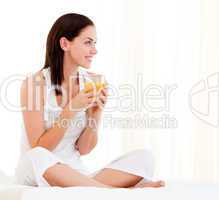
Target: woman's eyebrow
pixel 90 38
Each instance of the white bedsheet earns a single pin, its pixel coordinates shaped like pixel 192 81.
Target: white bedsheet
pixel 172 191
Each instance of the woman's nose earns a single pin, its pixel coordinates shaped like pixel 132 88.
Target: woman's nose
pixel 94 50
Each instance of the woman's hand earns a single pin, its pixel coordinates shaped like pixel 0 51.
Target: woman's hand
pixel 97 107
pixel 81 101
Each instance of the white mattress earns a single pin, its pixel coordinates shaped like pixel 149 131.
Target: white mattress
pixel 172 191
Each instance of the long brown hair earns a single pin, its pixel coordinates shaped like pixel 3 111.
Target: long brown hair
pixel 69 26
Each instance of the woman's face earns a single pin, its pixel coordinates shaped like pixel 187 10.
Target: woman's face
pixel 82 48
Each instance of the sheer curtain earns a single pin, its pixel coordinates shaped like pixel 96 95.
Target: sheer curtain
pixel 171 48
pixel 158 57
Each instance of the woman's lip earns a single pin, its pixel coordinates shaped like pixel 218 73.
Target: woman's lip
pixel 88 58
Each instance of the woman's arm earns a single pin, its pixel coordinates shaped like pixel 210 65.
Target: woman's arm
pixel 88 139
pixel 32 98
pixel 50 138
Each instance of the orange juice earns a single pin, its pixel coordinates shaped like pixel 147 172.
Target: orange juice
pixel 89 86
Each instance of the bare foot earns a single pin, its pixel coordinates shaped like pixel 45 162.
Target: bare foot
pixel 155 184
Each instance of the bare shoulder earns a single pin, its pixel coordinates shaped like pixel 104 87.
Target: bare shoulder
pixel 32 102
pixel 32 85
pixel 33 80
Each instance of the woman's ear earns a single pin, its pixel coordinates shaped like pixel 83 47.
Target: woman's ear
pixel 64 43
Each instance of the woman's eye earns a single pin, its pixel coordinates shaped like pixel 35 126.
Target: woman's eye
pixel 88 42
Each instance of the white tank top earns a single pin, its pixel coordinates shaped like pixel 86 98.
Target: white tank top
pixel 65 149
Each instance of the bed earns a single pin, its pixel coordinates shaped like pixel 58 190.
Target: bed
pixel 174 190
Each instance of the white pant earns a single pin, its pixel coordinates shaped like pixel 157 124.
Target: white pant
pixel 36 161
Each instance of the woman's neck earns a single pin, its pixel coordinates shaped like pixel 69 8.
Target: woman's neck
pixel 70 71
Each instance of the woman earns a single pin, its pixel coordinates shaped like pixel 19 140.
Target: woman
pixel 52 143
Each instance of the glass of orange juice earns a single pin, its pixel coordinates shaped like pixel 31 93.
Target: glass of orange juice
pixel 94 83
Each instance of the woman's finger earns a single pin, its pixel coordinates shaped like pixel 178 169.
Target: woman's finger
pixel 100 104
pixel 104 92
pixel 90 94
pixel 102 100
pixel 91 100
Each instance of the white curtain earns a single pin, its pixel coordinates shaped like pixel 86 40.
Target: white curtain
pixel 171 46
pixel 167 48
